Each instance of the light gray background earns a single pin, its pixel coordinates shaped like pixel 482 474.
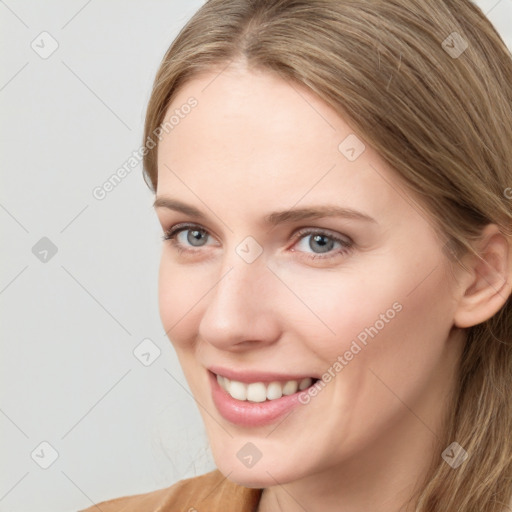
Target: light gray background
pixel 70 324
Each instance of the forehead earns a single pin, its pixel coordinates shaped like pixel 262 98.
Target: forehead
pixel 253 131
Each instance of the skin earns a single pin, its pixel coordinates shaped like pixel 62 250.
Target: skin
pixel 256 144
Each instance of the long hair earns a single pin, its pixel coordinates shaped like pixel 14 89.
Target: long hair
pixel 427 83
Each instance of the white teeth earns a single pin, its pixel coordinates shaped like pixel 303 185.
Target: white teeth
pixel 238 390
pixel 274 390
pixel 256 392
pixel 290 387
pixel 259 392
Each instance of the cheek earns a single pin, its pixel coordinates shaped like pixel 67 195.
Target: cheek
pixel 391 338
pixel 179 291
pixel 345 306
pixel 402 331
pixel 399 309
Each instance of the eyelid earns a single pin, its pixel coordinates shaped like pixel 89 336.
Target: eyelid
pixel 183 226
pixel 331 234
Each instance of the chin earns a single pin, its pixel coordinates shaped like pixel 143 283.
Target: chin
pixel 273 471
pixel 253 477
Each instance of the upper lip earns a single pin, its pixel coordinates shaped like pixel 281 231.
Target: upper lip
pixel 249 376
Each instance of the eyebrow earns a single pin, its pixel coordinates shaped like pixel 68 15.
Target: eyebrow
pixel 274 218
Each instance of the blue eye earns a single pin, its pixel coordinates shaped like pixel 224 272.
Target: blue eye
pixel 324 243
pixel 319 240
pixel 194 237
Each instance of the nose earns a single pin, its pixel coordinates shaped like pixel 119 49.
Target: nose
pixel 240 310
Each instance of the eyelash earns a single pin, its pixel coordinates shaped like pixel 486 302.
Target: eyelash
pixel 346 244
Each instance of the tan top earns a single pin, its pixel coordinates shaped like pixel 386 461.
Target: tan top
pixel 211 492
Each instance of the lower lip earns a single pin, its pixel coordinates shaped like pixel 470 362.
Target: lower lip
pixel 250 414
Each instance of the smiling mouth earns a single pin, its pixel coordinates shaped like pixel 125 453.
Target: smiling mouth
pixel 261 392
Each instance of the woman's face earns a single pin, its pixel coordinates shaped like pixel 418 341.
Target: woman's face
pixel 360 297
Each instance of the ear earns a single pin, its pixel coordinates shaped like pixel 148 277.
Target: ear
pixel 486 281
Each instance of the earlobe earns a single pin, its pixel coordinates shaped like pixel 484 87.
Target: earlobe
pixel 486 284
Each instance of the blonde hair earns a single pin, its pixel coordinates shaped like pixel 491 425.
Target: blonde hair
pixel 427 83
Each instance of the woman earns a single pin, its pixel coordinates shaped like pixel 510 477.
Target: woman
pixel 333 182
